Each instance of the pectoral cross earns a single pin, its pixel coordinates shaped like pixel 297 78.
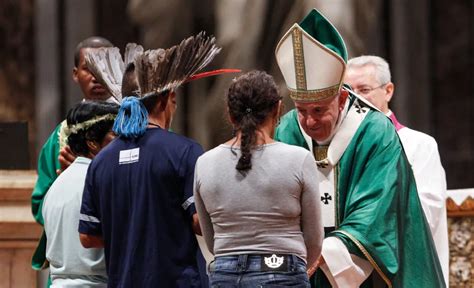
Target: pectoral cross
pixel 322 164
pixel 321 154
pixel 326 198
pixel 360 109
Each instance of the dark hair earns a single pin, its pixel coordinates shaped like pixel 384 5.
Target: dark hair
pixel 85 111
pixel 91 42
pixel 150 102
pixel 251 99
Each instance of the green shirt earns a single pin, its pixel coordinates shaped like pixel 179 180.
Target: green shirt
pixel 48 164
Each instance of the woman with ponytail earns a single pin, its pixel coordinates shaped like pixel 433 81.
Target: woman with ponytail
pixel 257 199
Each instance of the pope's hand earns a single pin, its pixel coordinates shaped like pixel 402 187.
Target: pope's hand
pixel 315 266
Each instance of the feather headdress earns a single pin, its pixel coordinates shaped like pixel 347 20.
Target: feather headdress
pixel 150 73
pixel 159 71
pixel 164 70
pixel 107 66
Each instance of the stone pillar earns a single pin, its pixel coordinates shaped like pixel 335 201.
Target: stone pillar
pixel 46 70
pixel 409 56
pixel 79 23
pixel 452 75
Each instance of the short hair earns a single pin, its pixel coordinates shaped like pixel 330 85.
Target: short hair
pixel 83 112
pixel 381 67
pixel 91 42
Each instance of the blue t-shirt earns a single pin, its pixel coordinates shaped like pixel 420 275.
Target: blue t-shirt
pixel 139 197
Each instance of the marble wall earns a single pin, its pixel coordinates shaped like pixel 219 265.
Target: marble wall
pixel 461 250
pixel 452 64
pixel 430 45
pixel 17 85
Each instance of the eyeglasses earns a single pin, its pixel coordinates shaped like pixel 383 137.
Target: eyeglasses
pixel 367 90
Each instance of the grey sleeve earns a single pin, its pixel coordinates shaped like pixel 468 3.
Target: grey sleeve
pixel 311 223
pixel 204 218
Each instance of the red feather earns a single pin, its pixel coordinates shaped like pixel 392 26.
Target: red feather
pixel 212 73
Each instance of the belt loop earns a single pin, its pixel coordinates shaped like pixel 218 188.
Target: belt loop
pixel 293 262
pixel 242 263
pixel 210 266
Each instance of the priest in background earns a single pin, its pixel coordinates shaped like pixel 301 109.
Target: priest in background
pixel 370 77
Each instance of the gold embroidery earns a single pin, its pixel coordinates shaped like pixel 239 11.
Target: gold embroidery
pixel 314 95
pixel 320 152
pixel 298 55
pixel 336 195
pixel 367 255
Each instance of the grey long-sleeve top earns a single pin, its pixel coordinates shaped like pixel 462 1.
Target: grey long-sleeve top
pixel 274 208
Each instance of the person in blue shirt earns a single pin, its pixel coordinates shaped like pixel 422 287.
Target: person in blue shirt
pixel 138 201
pixel 138 198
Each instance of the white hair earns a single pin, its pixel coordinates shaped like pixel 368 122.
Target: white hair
pixel 381 67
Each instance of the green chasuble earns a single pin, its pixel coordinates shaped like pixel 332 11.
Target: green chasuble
pixel 48 163
pixel 378 215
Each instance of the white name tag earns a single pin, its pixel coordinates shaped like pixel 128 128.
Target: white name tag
pixel 129 156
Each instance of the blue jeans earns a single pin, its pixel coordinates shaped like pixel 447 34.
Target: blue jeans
pixel 247 270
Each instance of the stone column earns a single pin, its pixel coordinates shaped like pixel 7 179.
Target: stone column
pixel 46 69
pixel 79 23
pixel 409 56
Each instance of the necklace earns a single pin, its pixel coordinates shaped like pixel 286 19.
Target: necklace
pixel 154 124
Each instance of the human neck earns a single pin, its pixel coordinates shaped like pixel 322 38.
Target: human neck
pixel 262 137
pixel 157 120
pixel 264 134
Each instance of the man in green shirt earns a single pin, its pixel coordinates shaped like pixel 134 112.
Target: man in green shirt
pixel 48 162
pixel 376 234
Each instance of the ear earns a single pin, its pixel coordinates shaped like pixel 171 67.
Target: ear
pixel 163 102
pixel 342 99
pixel 75 71
pixel 278 109
pixel 231 119
pixel 92 146
pixel 389 89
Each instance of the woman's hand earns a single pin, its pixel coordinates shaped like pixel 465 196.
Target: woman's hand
pixel 315 266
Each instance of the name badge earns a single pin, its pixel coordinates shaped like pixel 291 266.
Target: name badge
pixel 129 156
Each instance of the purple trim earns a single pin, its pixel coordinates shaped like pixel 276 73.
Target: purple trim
pixel 395 122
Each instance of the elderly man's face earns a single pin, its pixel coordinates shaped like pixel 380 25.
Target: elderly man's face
pixel 364 82
pixel 319 119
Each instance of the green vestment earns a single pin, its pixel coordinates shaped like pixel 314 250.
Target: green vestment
pixel 378 215
pixel 48 164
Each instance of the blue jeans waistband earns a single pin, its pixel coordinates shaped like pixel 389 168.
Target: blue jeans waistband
pixel 256 263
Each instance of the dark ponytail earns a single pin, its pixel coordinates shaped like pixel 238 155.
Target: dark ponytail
pixel 251 99
pixel 248 126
